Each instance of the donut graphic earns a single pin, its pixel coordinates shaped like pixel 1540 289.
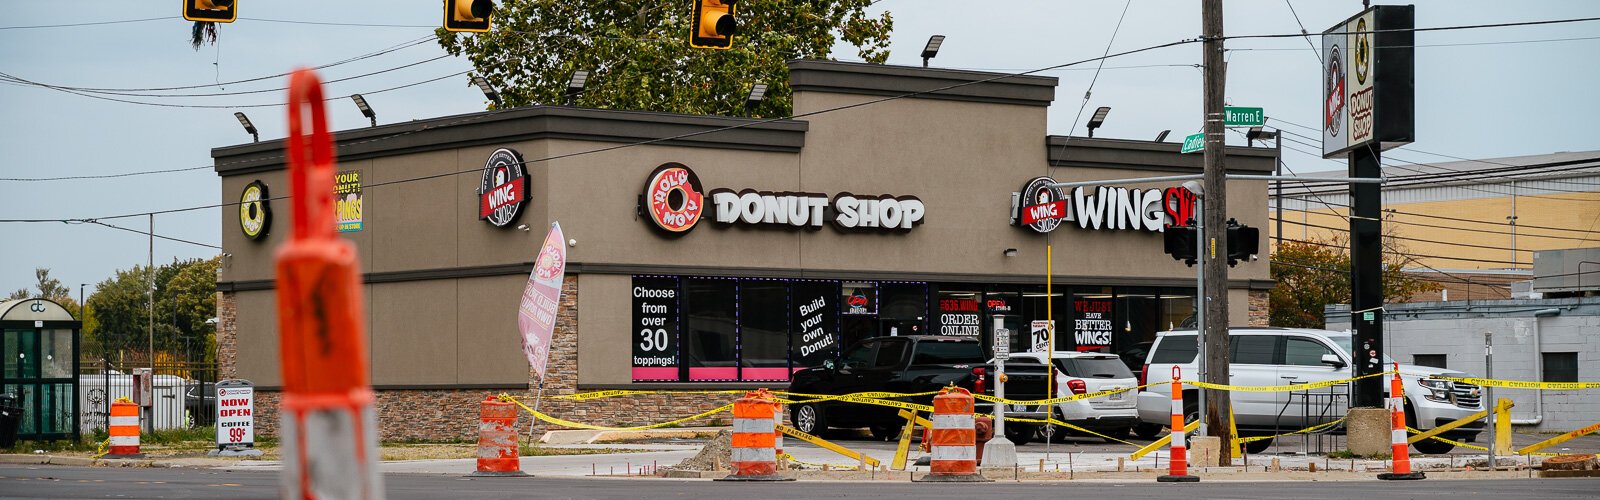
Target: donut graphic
pixel 673 198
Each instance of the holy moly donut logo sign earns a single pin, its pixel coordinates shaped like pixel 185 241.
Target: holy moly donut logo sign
pixel 675 202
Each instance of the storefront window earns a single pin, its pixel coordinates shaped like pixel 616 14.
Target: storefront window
pixel 958 312
pixel 903 308
pixel 1138 320
pixel 710 329
pixel 1036 316
pixel 815 335
pixel 1093 319
pixel 1177 309
pixel 763 329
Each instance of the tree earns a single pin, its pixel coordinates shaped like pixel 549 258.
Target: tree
pixel 185 299
pixel 639 57
pixel 1314 274
pixel 50 289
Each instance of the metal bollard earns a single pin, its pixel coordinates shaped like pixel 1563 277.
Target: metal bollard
pixel 1178 464
pixel 497 440
pixel 954 439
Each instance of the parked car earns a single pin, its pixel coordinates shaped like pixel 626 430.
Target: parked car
pixel 1282 356
pixel 199 401
pixel 1082 373
pixel 906 364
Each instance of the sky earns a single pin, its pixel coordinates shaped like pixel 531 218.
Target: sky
pixel 1481 93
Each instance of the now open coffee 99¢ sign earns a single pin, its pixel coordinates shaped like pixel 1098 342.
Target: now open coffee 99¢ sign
pixel 236 403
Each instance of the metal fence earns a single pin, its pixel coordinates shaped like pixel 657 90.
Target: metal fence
pixel 184 394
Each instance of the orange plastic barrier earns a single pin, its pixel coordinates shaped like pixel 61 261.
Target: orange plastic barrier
pixel 124 429
pixel 755 439
pixel 1178 471
pixel 953 440
pixel 497 439
pixel 1399 447
pixel 329 428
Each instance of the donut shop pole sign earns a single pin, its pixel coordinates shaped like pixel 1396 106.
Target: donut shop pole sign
pixel 1368 74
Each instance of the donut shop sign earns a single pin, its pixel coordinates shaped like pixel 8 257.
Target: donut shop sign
pixel 675 202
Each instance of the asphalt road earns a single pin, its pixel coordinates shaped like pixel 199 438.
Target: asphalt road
pixel 100 482
pixel 1290 444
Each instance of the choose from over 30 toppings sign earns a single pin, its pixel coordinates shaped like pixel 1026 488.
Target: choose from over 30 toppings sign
pixel 1042 207
pixel 675 202
pixel 504 188
pixel 1367 74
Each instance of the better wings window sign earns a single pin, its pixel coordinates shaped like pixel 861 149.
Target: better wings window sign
pixel 1367 81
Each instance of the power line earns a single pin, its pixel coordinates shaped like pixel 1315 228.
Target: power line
pixel 105 176
pixel 1427 45
pixel 1407 238
pixel 1436 28
pixel 169 238
pixel 100 23
pixel 1463 229
pixel 231 106
pixel 1303 31
pixel 219 94
pixel 638 143
pixel 1411 255
pixel 369 55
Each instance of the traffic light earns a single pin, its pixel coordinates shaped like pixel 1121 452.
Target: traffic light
pixel 1178 241
pixel 1244 242
pixel 214 11
pixel 468 15
pixel 714 24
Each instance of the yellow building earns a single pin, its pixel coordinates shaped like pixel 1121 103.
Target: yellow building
pixel 1477 220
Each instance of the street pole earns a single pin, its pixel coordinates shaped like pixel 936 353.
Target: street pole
pixel 1200 305
pixel 1277 187
pixel 150 270
pixel 1218 406
pixel 1366 277
pixel 1488 372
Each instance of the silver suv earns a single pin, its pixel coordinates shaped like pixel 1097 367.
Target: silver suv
pixel 1283 356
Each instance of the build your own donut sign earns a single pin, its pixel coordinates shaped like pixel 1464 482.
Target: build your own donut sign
pixel 675 202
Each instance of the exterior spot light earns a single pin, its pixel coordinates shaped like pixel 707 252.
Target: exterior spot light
pixel 488 90
pixel 1261 133
pixel 245 121
pixel 931 49
pixel 361 102
pixel 757 93
pixel 1098 119
pixel 575 86
pixel 1163 135
pixel 1010 252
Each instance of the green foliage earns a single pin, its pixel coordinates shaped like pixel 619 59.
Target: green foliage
pixel 639 58
pixel 185 299
pixel 1310 276
pixel 48 288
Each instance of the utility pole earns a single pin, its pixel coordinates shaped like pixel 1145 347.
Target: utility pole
pixel 1217 405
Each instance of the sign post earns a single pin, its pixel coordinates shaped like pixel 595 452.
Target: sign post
pixel 236 420
pixel 999 451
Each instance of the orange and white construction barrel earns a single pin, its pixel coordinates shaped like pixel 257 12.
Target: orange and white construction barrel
pixel 754 456
pixel 953 441
pixel 124 430
pixel 1178 471
pixel 1399 447
pixel 497 440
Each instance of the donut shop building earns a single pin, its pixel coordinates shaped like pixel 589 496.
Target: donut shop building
pixel 726 258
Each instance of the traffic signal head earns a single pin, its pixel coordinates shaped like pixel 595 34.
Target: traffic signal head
pixel 1178 241
pixel 468 15
pixel 1244 242
pixel 215 11
pixel 713 24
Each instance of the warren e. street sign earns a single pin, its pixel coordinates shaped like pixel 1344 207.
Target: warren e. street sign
pixel 1233 116
pixel 1194 142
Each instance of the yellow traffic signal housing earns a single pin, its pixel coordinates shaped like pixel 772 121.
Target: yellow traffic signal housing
pixel 468 15
pixel 216 11
pixel 714 24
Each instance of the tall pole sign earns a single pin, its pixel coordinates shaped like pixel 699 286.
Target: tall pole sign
pixel 1368 106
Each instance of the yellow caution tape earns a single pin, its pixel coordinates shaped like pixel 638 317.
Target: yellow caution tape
pixel 1281 388
pixel 100 449
pixel 791 458
pixel 1063 399
pixel 1053 420
pixel 1472 446
pixel 1313 428
pixel 576 425
pixel 1522 384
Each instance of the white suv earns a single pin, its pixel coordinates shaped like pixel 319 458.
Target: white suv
pixel 1284 356
pixel 1082 373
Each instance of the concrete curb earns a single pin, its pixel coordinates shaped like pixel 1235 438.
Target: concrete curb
pixel 41 459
